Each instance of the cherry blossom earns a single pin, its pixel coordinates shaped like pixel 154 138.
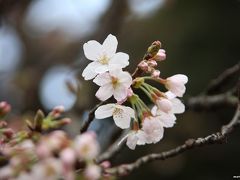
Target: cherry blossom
pixel 176 84
pixel 153 130
pixel 161 55
pixel 115 82
pixel 167 108
pixel 122 115
pixel 92 172
pixel 103 55
pixel 86 146
pixel 135 138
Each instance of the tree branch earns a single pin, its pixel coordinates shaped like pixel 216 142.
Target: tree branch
pixel 224 77
pixel 216 138
pixel 113 149
pixel 203 102
pixel 90 118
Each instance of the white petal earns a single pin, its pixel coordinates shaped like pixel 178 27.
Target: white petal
pixel 132 141
pixel 128 111
pixel 141 138
pixel 92 50
pixel 179 90
pixel 178 106
pixel 122 120
pixel 110 45
pixel 170 95
pixel 104 92
pixel 180 78
pixel 102 79
pixel 102 69
pixel 120 59
pixel 120 93
pixel 89 72
pixel 154 110
pixel 104 111
pixel 164 104
pixel 167 119
pixel 125 79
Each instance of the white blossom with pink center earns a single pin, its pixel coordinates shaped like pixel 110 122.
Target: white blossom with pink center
pixel 122 115
pixel 115 82
pixel 103 56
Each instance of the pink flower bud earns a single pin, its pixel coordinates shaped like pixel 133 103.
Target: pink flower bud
pixel 105 164
pixel 161 55
pixel 64 121
pixel 143 65
pixel 8 132
pixel 4 108
pixel 43 150
pixel 68 157
pixel 57 111
pixel 152 63
pixel 155 73
pixel 92 172
pixel 3 124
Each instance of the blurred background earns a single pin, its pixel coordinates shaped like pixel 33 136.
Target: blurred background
pixel 41 62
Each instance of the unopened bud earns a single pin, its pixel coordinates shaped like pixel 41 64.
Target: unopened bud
pixel 152 63
pixel 105 164
pixel 155 73
pixel 161 55
pixel 7 132
pixel 57 111
pixel 4 108
pixel 61 122
pixel 143 65
pixel 3 124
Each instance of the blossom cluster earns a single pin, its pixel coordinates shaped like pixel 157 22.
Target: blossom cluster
pixel 146 125
pixel 36 154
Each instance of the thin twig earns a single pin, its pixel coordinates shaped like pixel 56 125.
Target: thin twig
pixel 216 138
pixel 90 118
pixel 205 102
pixel 217 83
pixel 113 149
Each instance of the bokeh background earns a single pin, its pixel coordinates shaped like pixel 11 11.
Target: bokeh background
pixel 41 61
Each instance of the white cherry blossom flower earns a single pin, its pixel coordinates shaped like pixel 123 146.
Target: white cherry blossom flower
pixel 176 84
pixel 166 114
pixel 86 146
pixel 121 114
pixel 115 82
pixel 103 55
pixel 153 130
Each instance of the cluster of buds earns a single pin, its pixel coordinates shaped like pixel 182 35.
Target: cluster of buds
pixel 38 153
pixel 5 133
pixel 5 108
pixel 53 120
pixel 151 59
pixel 145 125
pixel 53 156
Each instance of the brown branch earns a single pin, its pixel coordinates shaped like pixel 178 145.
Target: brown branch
pixel 216 138
pixel 205 102
pixel 90 118
pixel 223 78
